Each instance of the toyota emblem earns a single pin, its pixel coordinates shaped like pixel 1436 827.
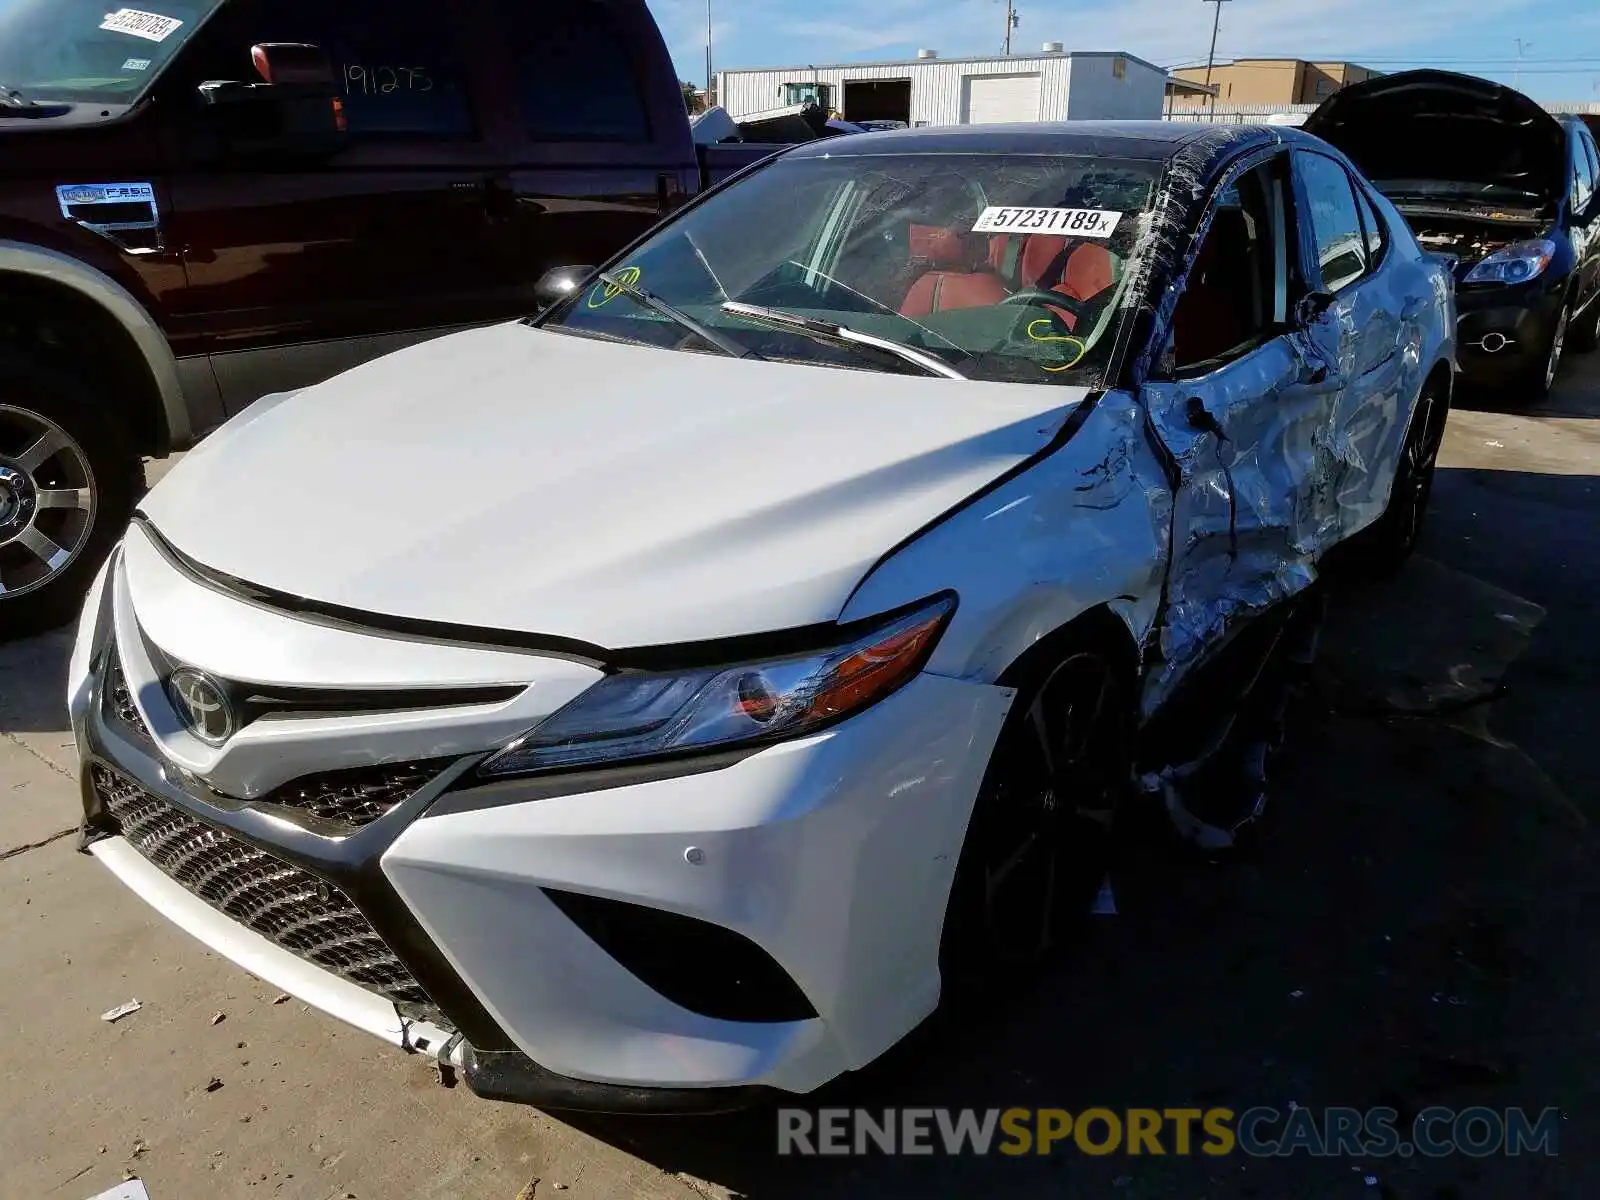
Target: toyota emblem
pixel 203 704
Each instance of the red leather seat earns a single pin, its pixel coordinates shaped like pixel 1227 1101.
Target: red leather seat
pixel 958 274
pixel 1058 264
pixel 1212 316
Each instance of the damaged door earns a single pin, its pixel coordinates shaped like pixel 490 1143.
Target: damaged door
pixel 1244 395
pixel 1376 318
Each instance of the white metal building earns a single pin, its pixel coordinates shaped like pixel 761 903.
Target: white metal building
pixel 1051 86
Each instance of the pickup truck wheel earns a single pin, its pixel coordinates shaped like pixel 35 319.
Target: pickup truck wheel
pixel 1039 843
pixel 67 487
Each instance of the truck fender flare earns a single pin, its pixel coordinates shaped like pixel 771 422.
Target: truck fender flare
pixel 20 258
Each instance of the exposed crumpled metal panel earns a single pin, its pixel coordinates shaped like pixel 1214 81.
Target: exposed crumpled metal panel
pixel 1306 438
pixel 1086 526
pixel 1184 534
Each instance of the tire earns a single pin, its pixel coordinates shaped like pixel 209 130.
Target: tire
pixel 68 483
pixel 1039 843
pixel 1380 550
pixel 1534 385
pixel 1584 334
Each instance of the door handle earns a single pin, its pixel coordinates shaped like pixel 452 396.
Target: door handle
pixel 1201 419
pixel 1317 374
pixel 500 197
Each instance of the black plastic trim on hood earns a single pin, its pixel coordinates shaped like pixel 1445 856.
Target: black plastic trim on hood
pixel 1439 125
pixel 672 656
pixel 373 624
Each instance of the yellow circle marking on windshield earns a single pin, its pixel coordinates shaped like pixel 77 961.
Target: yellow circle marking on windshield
pixel 1081 346
pixel 603 294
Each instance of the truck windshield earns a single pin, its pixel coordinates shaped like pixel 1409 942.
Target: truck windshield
pixel 1004 267
pixel 92 51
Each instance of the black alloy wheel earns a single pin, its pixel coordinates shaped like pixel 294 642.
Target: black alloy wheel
pixel 1380 550
pixel 1038 846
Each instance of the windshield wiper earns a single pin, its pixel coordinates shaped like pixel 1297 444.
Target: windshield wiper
pixel 656 304
pixel 11 98
pixel 842 335
pixel 15 104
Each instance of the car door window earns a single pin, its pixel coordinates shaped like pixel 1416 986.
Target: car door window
pixel 1237 289
pixel 1372 222
pixel 575 76
pixel 400 69
pixel 1341 245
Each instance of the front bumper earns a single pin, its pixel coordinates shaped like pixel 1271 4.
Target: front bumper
pixel 828 860
pixel 1503 334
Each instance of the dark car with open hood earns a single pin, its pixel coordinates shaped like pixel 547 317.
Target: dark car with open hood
pixel 1484 174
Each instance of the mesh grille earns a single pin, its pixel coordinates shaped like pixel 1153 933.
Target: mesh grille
pixel 292 908
pixel 354 796
pixel 357 796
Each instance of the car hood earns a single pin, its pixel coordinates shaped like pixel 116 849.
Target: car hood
pixel 1440 126
pixel 520 480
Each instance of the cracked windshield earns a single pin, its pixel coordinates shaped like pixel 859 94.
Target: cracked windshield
pixel 995 267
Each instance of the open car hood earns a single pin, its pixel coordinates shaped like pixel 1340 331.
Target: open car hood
pixel 1440 126
pixel 518 480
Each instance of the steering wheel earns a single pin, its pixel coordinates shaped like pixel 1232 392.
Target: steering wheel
pixel 1042 298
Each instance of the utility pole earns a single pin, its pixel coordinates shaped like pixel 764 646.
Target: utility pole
pixel 1012 21
pixel 709 84
pixel 1211 57
pixel 1522 48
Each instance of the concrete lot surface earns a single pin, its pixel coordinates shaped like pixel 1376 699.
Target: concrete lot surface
pixel 1419 924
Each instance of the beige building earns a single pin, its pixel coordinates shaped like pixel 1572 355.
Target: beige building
pixel 1276 80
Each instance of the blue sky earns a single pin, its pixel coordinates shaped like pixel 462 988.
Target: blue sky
pixel 1561 38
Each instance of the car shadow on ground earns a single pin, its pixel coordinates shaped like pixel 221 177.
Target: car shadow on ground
pixel 1568 399
pixel 33 683
pixel 1414 924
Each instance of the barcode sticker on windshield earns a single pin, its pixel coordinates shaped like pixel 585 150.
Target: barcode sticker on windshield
pixel 1076 222
pixel 152 27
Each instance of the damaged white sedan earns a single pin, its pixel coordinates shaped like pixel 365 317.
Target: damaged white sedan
pixel 664 701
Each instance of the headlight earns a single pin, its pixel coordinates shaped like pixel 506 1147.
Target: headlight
pixel 1516 263
pixel 636 714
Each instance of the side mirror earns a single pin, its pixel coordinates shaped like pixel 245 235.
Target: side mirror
pixel 1311 306
pixel 298 64
pixel 558 283
pixel 295 110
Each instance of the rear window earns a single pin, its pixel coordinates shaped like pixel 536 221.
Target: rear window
pixel 576 76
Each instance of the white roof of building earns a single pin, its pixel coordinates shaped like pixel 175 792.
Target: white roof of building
pixel 933 62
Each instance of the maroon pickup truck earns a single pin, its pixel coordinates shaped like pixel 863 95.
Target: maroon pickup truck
pixel 203 201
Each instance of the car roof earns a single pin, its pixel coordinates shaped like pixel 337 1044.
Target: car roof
pixel 1156 141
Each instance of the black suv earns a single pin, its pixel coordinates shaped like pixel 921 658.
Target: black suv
pixel 1484 174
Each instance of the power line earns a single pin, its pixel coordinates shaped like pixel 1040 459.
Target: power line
pixel 1211 57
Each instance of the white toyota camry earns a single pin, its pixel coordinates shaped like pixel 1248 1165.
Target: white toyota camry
pixel 663 701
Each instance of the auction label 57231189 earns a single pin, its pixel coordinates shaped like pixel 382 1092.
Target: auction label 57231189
pixel 1075 222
